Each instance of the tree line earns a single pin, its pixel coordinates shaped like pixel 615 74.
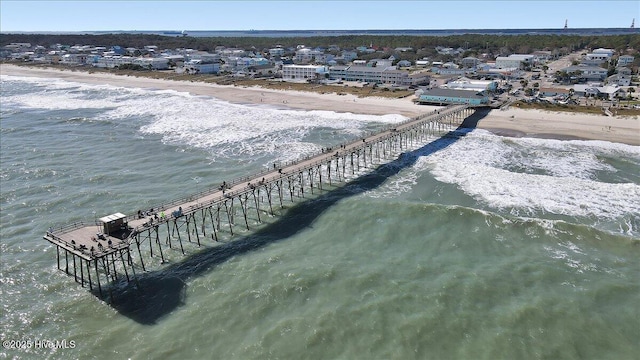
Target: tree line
pixel 492 44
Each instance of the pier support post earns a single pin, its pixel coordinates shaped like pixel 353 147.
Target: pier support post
pixel 228 217
pixel 255 199
pixel 95 263
pixel 75 276
pixel 139 252
pixel 124 265
pixel 243 206
pixel 214 236
pixel 81 273
pixel 89 274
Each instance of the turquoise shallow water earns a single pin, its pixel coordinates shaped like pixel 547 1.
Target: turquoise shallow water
pixel 480 248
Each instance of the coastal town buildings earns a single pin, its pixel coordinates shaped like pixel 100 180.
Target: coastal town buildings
pixel 478 77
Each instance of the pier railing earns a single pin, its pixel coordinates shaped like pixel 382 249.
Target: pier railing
pixel 278 165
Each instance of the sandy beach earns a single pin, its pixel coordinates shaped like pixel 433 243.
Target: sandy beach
pixel 237 94
pixel 562 125
pixel 511 122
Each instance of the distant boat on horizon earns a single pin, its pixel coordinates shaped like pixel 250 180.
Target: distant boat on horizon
pixel 172 32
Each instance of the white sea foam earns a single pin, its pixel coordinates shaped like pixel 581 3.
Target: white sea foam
pixel 230 128
pixel 56 94
pixel 532 176
pixel 183 119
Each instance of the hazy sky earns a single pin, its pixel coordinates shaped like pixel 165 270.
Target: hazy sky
pixel 89 15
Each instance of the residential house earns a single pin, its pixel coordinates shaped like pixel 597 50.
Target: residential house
pixel 348 55
pixel 416 79
pixel 152 63
pixel 542 56
pixel 204 56
pixel 277 51
pixel 514 61
pixel 595 59
pixel 622 77
pixel 608 52
pixel 609 92
pixel 323 58
pixel 470 62
pixel 625 60
pixel 111 61
pixel 447 69
pixel 73 59
pixel 200 67
pixel 552 92
pixel 266 70
pixel 306 55
pixel 587 73
pixel 366 50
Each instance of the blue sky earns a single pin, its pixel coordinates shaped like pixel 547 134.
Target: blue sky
pixel 89 15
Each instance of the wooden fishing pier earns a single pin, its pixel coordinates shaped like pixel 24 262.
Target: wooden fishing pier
pixel 106 248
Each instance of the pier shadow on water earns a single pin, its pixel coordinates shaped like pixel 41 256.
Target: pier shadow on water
pixel 158 293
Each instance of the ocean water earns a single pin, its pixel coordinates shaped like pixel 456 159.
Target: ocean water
pixel 482 247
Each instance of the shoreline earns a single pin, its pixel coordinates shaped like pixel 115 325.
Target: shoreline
pixel 562 125
pixel 294 100
pixel 512 122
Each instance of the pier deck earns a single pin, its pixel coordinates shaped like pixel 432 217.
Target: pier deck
pixel 108 238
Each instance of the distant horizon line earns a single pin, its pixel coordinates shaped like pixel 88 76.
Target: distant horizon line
pixel 313 30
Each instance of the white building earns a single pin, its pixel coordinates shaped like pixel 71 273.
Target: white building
pixel 608 52
pixel 200 67
pixel 622 77
pixel 470 62
pixel 303 72
pixel 305 55
pixel 608 92
pixel 152 63
pixel 278 51
pixel 514 61
pixel 543 56
pixel 595 58
pixel 74 59
pixel 112 61
pixel 589 73
pixel 464 83
pixel 349 55
pixel 204 56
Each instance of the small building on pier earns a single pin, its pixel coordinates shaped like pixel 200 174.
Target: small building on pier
pixel 114 224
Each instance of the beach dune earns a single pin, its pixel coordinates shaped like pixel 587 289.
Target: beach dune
pixel 511 122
